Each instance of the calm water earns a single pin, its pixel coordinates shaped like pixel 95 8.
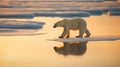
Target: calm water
pixel 37 51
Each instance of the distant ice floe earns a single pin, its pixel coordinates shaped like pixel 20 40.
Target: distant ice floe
pixel 7 30
pixel 114 12
pixel 63 14
pixel 13 24
pixel 20 28
pixel 17 15
pixel 71 14
pixel 94 12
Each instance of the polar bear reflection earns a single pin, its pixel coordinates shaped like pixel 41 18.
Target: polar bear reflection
pixel 72 48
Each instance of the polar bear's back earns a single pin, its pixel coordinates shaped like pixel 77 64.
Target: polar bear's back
pixel 76 23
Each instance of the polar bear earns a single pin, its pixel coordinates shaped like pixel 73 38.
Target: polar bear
pixel 73 24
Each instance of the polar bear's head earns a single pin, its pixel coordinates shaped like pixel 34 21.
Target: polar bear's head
pixel 59 23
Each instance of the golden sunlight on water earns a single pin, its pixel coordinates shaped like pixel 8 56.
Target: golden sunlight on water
pixel 37 51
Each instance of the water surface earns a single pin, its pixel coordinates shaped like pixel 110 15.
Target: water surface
pixel 37 51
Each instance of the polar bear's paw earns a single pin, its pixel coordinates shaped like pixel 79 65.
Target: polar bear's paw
pixel 78 36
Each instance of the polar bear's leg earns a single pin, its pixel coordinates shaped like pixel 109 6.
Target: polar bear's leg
pixel 81 31
pixel 68 35
pixel 87 33
pixel 65 32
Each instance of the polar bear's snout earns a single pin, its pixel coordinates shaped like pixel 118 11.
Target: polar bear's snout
pixel 55 25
